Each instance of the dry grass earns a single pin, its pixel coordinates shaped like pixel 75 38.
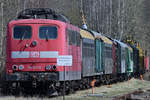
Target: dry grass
pixel 108 92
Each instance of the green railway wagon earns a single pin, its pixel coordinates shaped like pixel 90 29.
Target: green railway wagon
pixel 129 59
pixel 99 56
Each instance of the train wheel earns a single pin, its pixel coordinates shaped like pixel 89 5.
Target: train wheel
pixel 51 91
pixel 5 88
pixel 71 87
pixel 15 89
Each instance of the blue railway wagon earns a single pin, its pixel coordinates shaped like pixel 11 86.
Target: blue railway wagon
pixel 121 57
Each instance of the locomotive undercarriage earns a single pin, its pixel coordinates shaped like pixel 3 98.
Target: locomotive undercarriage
pixel 55 87
pixel 28 82
pixel 30 88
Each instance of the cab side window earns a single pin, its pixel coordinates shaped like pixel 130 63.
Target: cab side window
pixel 73 37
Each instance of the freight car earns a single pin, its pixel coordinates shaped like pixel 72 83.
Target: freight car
pixel 39 37
pixel 140 58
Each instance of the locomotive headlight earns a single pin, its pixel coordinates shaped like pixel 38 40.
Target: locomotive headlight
pixel 34 43
pixel 48 67
pixel 21 67
pixel 54 67
pixel 14 67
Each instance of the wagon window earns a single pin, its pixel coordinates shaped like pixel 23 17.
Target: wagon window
pixel 22 32
pixel 48 32
pixel 108 52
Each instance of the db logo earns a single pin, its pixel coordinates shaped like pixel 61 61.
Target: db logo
pixel 34 54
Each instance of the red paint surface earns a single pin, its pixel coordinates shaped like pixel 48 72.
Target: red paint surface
pixel 147 62
pixel 60 44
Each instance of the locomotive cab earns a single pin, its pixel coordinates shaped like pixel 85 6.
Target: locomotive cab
pixel 36 49
pixel 33 45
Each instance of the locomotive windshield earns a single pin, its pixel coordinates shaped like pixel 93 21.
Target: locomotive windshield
pixel 48 32
pixel 22 32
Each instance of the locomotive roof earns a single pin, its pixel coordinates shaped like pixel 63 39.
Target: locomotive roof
pixel 100 36
pixel 42 13
pixel 86 34
pixel 35 21
pixel 121 43
pixel 106 40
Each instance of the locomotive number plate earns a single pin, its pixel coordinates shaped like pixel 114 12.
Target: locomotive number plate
pixel 34 54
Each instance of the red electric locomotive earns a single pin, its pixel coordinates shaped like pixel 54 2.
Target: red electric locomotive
pixel 33 46
pixel 45 52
